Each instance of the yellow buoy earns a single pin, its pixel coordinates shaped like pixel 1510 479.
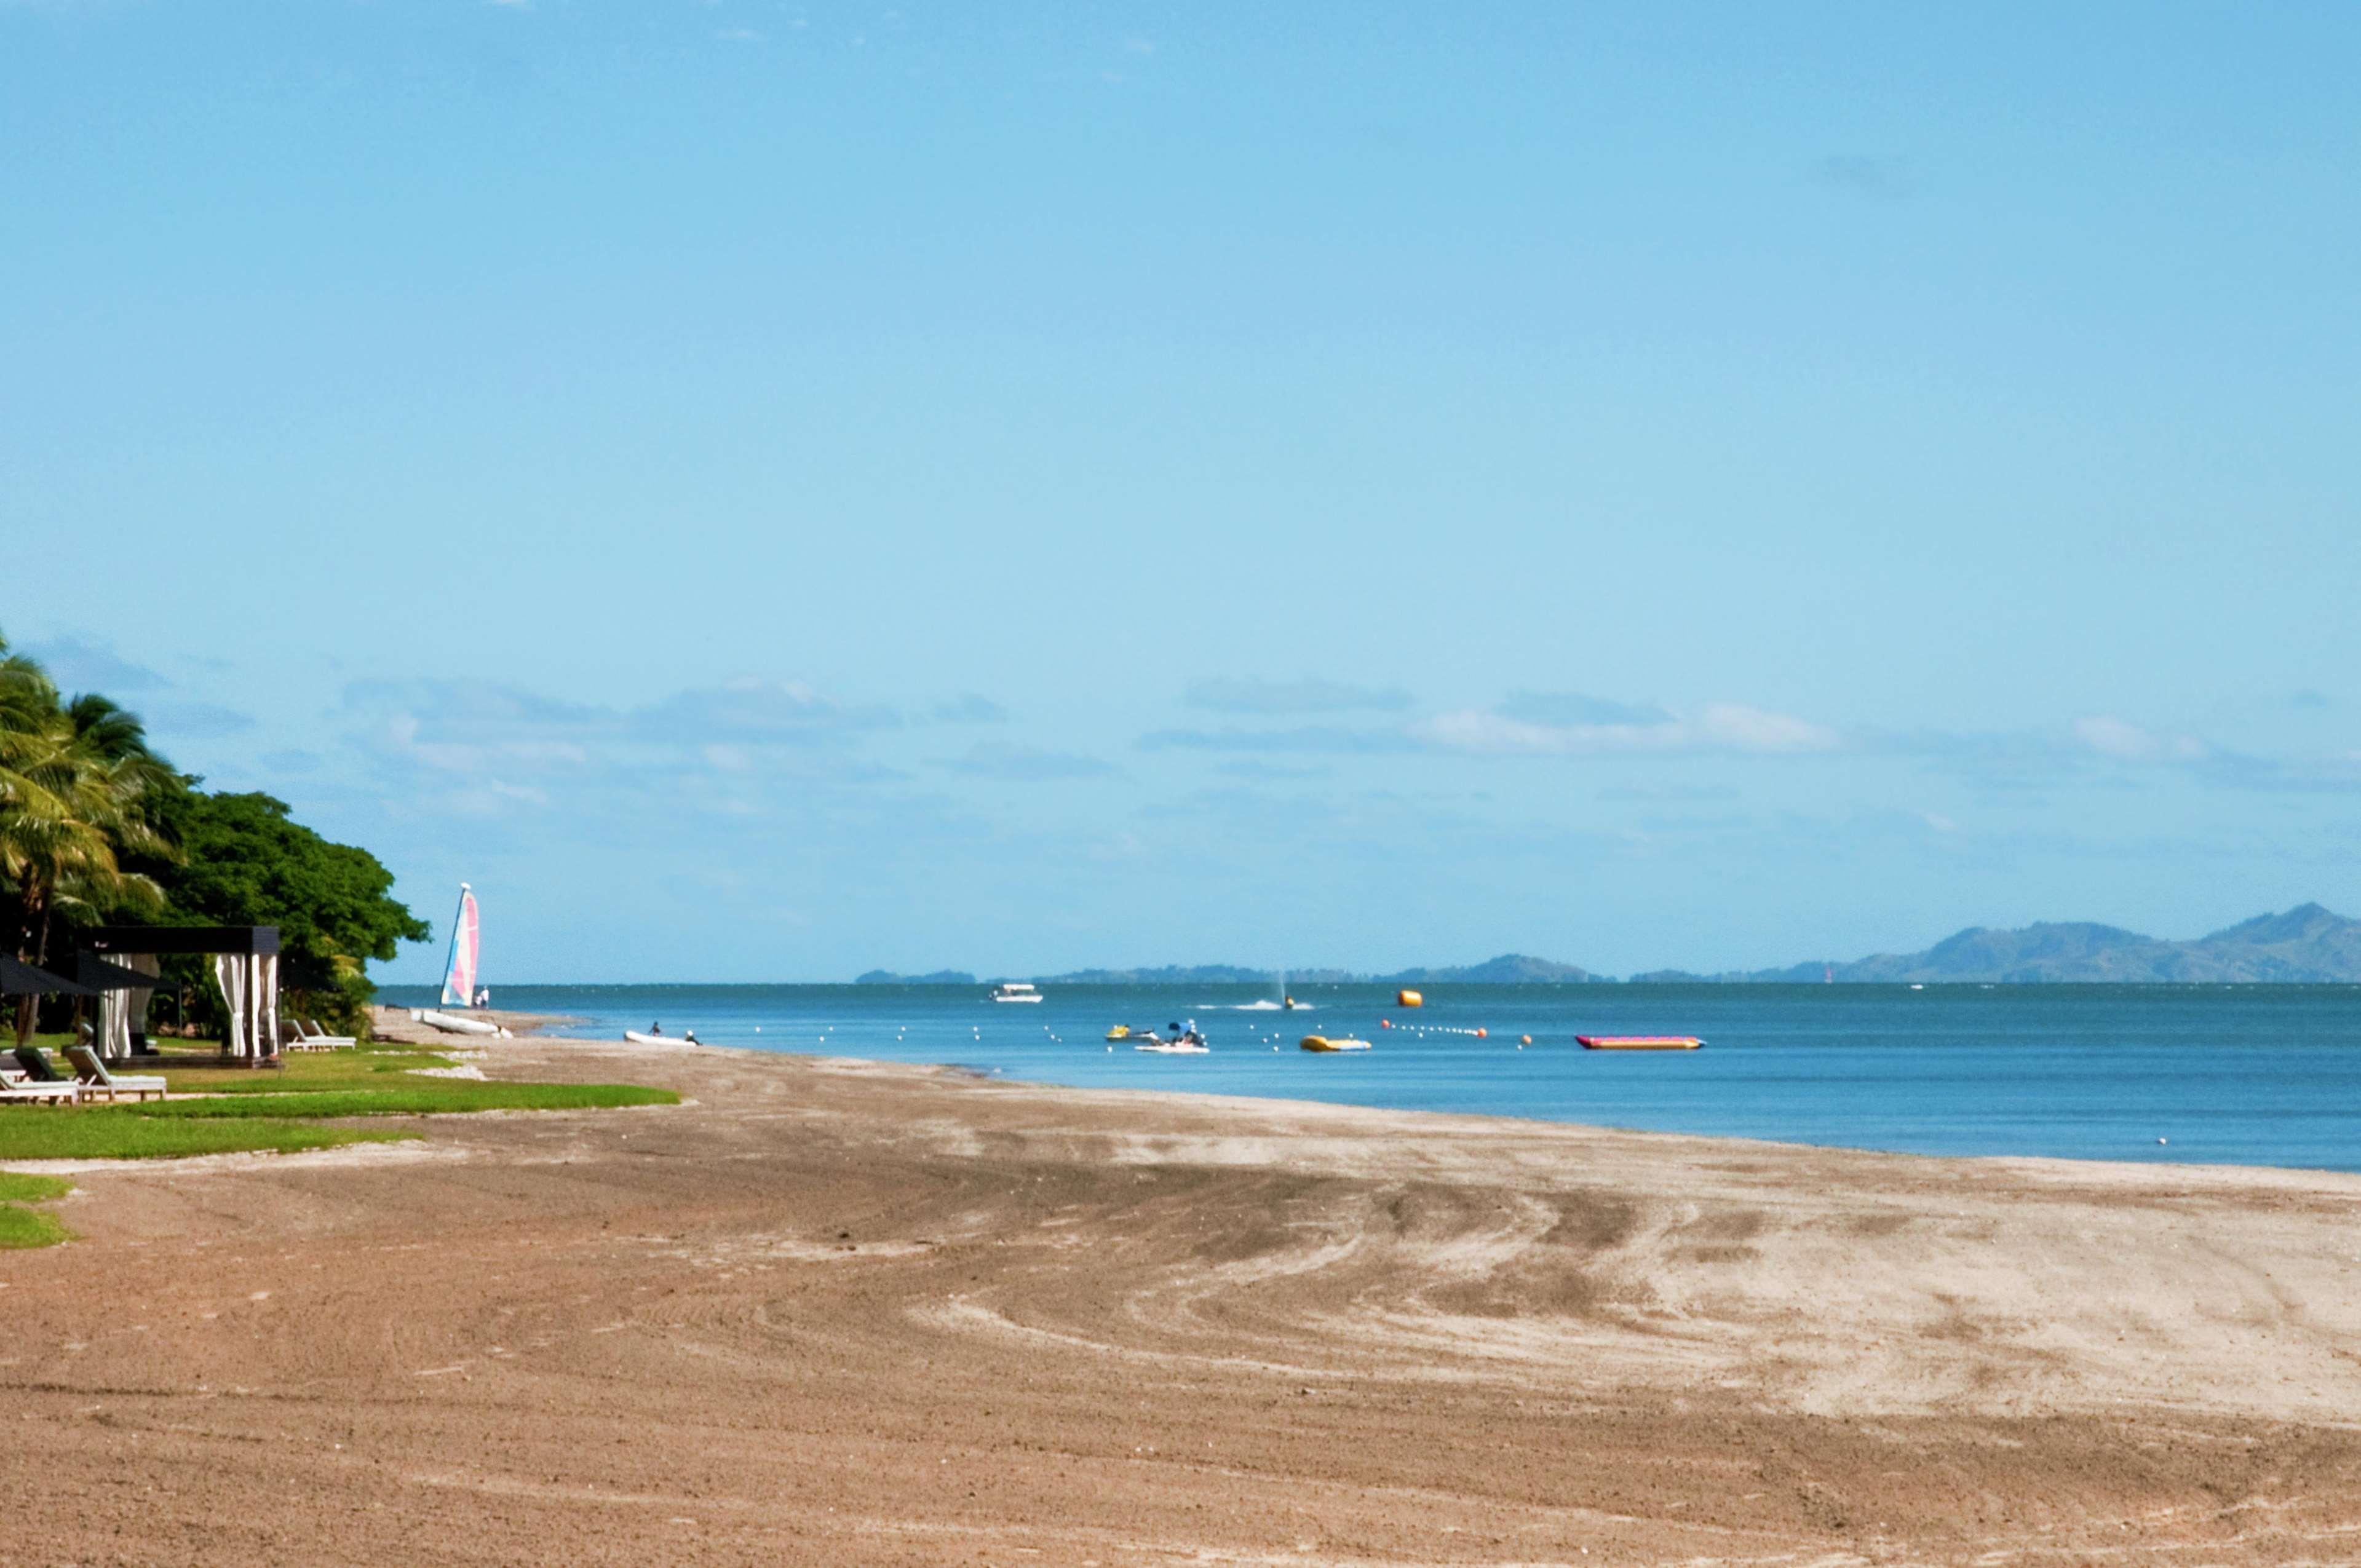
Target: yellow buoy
pixel 1409 998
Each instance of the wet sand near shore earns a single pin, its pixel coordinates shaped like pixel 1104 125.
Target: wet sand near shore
pixel 843 1312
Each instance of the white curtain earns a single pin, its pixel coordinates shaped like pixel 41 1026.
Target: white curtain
pixel 230 970
pixel 115 1025
pixel 121 1011
pixel 136 999
pixel 265 1005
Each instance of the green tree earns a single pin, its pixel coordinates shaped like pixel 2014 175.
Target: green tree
pixel 78 784
pixel 244 862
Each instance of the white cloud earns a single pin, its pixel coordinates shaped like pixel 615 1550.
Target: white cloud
pixel 2128 742
pixel 1723 727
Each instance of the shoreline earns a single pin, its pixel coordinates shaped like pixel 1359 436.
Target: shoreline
pixel 836 1310
pixel 525 1026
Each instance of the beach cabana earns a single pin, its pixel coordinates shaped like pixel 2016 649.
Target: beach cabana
pixel 246 963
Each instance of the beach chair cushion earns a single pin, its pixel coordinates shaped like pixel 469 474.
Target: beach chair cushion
pixel 36 1066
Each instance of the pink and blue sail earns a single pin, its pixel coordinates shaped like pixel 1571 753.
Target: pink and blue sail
pixel 459 974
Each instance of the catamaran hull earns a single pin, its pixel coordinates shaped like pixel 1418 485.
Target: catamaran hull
pixel 454 1025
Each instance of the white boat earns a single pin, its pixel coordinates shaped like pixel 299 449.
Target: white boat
pixel 637 1038
pixel 1177 1047
pixel 1014 991
pixel 451 1025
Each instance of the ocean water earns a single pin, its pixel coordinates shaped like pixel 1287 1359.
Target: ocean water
pixel 2237 1075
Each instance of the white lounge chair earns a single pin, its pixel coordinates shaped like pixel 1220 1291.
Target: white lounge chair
pixel 90 1074
pixel 291 1038
pixel 319 1039
pixel 15 1089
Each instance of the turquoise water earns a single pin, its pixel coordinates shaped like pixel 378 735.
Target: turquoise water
pixel 2240 1075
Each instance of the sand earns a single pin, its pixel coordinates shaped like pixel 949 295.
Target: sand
pixel 842 1312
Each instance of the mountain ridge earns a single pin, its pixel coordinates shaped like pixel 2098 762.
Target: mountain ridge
pixel 2309 944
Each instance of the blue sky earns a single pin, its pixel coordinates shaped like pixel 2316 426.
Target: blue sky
pixel 768 490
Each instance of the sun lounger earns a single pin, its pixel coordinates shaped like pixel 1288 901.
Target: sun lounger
pixel 92 1074
pixel 15 1090
pixel 319 1039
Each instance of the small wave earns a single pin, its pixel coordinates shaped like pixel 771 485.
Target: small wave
pixel 1252 1007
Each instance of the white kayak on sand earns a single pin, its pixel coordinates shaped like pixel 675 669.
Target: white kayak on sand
pixel 451 1024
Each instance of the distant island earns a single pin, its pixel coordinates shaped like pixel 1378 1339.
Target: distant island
pixel 2307 945
pixel 939 977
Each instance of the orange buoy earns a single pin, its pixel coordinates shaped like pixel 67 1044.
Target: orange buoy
pixel 1410 999
pixel 1481 1034
pixel 1526 1039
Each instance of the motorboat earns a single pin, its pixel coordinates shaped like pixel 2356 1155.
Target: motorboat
pixel 1323 1043
pixel 1120 1032
pixel 1185 1041
pixel 1014 991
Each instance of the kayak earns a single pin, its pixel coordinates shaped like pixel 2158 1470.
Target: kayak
pixel 1638 1042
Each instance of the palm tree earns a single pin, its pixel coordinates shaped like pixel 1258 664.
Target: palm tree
pixel 77 781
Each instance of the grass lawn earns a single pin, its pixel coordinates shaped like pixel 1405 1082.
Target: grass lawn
pixel 15 1187
pixel 22 1227
pixel 361 1068
pixel 425 1097
pixel 246 1108
pixel 117 1132
pixel 237 1110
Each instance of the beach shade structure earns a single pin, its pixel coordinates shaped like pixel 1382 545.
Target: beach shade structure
pixel 23 980
pixel 246 963
pixel 123 992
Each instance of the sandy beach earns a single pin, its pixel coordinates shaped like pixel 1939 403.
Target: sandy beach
pixel 830 1312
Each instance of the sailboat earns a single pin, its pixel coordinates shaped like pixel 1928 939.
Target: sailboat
pixel 459 974
pixel 459 968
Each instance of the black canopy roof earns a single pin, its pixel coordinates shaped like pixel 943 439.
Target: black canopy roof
pixel 181 939
pixel 24 979
pixel 100 975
